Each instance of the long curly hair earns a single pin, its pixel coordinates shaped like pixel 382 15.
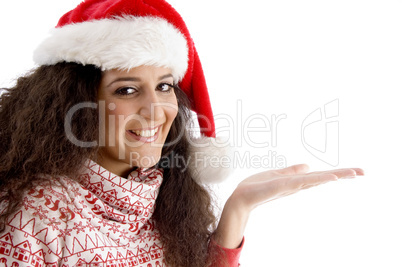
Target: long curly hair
pixel 34 142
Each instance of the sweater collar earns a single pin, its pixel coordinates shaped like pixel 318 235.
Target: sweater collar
pixel 123 197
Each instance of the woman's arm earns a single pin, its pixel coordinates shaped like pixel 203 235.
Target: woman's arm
pixel 263 187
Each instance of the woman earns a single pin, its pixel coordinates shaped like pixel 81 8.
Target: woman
pixel 92 142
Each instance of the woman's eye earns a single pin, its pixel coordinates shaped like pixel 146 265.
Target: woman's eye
pixel 165 87
pixel 125 91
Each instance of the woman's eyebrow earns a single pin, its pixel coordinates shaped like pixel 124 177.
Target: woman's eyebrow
pixel 136 79
pixel 124 79
pixel 165 76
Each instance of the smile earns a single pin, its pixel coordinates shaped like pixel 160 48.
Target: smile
pixel 145 135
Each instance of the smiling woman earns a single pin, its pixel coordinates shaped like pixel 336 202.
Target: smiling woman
pixel 91 139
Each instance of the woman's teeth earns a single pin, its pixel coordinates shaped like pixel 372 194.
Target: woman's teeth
pixel 146 133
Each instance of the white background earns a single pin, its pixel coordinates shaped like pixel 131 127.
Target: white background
pixel 290 57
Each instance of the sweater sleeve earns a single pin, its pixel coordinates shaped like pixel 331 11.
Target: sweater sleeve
pixel 220 256
pixel 31 237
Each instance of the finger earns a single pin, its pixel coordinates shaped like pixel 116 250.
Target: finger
pixel 320 179
pixel 316 179
pixel 343 173
pixel 295 169
pixel 349 173
pixel 358 171
pixel 296 183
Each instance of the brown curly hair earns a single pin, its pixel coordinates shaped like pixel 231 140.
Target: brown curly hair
pixel 34 142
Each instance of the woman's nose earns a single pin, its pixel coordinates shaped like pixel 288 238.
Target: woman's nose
pixel 151 107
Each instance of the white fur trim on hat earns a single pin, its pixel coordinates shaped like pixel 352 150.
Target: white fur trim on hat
pixel 121 43
pixel 211 161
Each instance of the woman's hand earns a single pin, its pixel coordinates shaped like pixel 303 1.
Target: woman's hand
pixel 270 185
pixel 266 186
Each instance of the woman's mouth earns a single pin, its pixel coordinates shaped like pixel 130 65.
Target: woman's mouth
pixel 145 135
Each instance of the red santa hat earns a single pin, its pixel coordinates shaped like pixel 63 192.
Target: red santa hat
pixel 123 34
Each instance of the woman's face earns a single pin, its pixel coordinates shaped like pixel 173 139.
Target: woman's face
pixel 137 108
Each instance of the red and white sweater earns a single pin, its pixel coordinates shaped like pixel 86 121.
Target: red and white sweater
pixel 103 220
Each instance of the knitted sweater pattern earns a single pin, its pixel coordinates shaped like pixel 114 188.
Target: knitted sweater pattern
pixel 102 220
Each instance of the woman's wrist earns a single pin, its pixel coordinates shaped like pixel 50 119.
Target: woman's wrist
pixel 230 230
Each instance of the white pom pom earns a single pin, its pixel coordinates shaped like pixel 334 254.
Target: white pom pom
pixel 211 160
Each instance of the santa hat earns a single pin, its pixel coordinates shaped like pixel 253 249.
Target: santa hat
pixel 124 34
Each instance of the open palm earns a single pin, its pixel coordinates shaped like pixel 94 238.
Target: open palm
pixel 274 184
